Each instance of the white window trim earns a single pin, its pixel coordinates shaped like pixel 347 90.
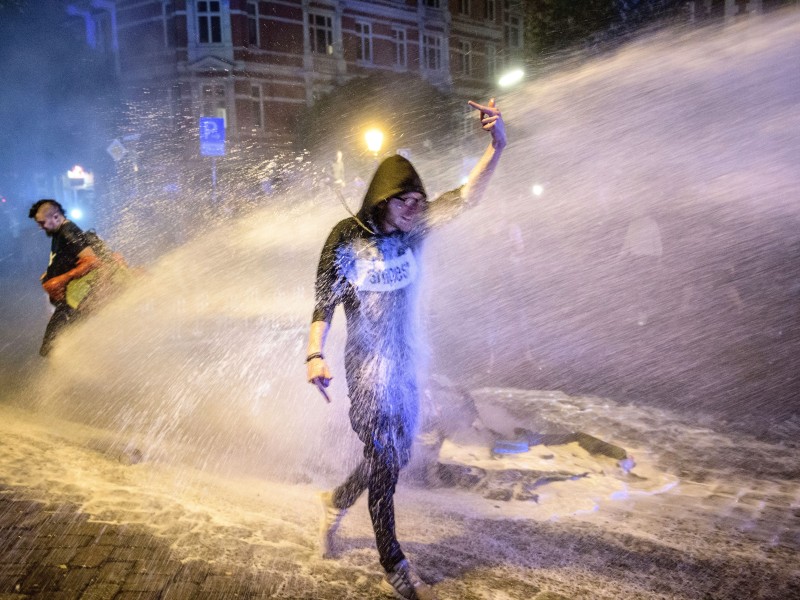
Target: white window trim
pixel 515 42
pixel 222 22
pixel 400 47
pixel 491 60
pixel 312 28
pixel 490 10
pixel 257 17
pixel 437 46
pixel 261 125
pixel 218 111
pixel 365 41
pixel 465 56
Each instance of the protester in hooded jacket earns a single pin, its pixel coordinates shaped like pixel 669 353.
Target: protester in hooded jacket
pixel 370 264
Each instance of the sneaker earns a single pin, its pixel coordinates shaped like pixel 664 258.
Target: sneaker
pixel 330 519
pixel 404 582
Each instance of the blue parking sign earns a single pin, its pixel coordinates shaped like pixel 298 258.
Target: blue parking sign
pixel 212 136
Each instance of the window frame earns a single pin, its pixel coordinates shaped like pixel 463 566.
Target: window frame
pixel 257 100
pixel 325 29
pixel 491 61
pixel 512 31
pixel 216 99
pixel 465 54
pixel 206 19
pixel 253 24
pixel 432 48
pixel 400 40
pixel 364 52
pixel 490 10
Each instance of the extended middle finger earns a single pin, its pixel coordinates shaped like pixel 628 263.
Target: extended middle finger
pixel 489 110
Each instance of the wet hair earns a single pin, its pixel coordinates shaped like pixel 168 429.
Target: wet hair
pixel 39 203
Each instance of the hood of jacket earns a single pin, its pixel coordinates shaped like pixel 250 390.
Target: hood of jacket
pixel 395 176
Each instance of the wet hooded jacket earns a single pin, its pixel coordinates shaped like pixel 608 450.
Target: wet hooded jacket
pixel 374 275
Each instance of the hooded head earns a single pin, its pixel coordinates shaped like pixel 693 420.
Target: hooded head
pixel 395 176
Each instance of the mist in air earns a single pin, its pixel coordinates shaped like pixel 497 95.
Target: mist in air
pixel 638 249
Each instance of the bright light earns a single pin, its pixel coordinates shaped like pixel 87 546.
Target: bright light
pixel 76 213
pixel 374 139
pixel 537 190
pixel 76 172
pixel 511 78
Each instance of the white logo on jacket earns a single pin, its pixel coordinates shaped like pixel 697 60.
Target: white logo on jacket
pixel 384 275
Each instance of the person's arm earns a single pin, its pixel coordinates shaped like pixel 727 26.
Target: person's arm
pixel 56 287
pixel 326 299
pixel 317 370
pixel 478 179
pixel 449 205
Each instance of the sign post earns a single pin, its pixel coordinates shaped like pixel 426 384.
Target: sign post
pixel 212 143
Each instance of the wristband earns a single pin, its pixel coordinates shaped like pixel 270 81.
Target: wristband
pixel 311 357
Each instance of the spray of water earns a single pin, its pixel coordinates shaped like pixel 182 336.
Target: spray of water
pixel 639 243
pixel 201 360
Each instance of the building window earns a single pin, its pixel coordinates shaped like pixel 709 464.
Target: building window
pixel 513 31
pixel 213 101
pixel 257 106
pixel 432 52
pixel 491 60
pixel 364 33
pixel 252 24
pixel 320 31
pixel 400 48
pixel 433 3
pixel 209 22
pixel 465 54
pixel 490 10
pixel 465 7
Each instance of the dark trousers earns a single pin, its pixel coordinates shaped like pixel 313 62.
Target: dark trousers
pixel 385 454
pixel 63 316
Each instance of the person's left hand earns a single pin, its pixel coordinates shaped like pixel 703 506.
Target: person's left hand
pixel 492 121
pixel 56 288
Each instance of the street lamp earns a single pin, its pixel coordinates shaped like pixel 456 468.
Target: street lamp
pixel 509 78
pixel 374 138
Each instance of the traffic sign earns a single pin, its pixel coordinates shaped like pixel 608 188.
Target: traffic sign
pixel 212 136
pixel 116 150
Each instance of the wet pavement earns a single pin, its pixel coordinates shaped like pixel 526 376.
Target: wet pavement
pixel 55 551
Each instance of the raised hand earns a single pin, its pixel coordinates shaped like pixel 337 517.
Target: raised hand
pixel 492 121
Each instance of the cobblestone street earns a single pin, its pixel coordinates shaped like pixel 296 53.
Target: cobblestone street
pixel 54 551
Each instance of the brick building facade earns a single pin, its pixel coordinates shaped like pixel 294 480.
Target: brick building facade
pixel 260 63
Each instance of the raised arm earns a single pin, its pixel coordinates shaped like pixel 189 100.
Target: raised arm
pixel 478 180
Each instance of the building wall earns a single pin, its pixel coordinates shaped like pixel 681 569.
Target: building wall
pixel 267 60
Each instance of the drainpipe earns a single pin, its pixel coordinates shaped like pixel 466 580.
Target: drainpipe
pixel 91 32
pixel 112 9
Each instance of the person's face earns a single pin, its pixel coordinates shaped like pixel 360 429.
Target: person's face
pixel 49 218
pixel 403 212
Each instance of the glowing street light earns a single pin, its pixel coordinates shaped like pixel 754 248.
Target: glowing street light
pixel 537 189
pixel 76 172
pixel 510 78
pixel 374 138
